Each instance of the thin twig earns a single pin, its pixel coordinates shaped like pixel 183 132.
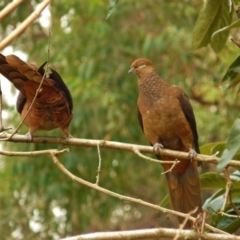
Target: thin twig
pixel 114 145
pixel 233 205
pixel 136 151
pixel 199 224
pixel 184 223
pixel 99 165
pixel 24 25
pixel 202 221
pixel 29 109
pixel 235 42
pixel 228 194
pixel 49 48
pixel 5 129
pixel 37 92
pixel 228 188
pixel 9 8
pixel 171 168
pixel 126 198
pixel 228 215
pixel 33 153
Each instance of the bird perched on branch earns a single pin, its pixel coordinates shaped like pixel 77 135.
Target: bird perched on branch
pixel 167 119
pixel 53 105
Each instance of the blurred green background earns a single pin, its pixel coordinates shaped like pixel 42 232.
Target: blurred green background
pixel 93 55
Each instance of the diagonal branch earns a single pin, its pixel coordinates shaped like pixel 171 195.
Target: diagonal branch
pixel 228 189
pixel 24 25
pixel 126 198
pixel 54 153
pixel 9 8
pixel 181 226
pixel 228 194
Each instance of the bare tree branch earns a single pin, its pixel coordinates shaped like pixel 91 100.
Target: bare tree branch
pixel 228 189
pixel 181 226
pixel 199 224
pixel 108 144
pixel 99 165
pixel 24 25
pixel 228 194
pixel 228 215
pixel 126 198
pixel 115 145
pixel 150 233
pixel 137 152
pixel 9 8
pixel 33 153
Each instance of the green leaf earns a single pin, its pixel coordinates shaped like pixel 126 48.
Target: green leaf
pixel 212 180
pixel 224 223
pixel 233 73
pixel 216 200
pixel 211 148
pixel 214 15
pixel 225 18
pixel 236 175
pixel 229 225
pixel 207 203
pixel 165 202
pixel 215 204
pixel 233 145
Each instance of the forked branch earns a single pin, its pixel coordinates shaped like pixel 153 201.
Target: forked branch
pixel 126 198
